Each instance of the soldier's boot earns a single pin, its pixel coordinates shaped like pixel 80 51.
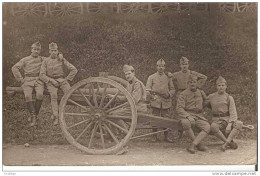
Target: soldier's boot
pixel 191 148
pixel 233 145
pixel 198 139
pixel 38 104
pixel 221 136
pixel 55 121
pixel 34 120
pixel 30 108
pixel 231 136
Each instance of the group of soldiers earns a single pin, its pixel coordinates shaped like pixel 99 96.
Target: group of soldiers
pixel 162 90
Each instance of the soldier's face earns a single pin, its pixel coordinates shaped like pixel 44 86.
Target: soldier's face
pixel 193 85
pixel 160 68
pixel 221 87
pixel 54 53
pixel 129 75
pixel 35 52
pixel 184 66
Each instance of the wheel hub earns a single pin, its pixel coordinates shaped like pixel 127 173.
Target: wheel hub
pixel 98 115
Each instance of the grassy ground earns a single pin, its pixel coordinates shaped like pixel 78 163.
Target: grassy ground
pixel 216 45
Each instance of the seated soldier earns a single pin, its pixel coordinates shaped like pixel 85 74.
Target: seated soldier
pixel 224 115
pixel 52 74
pixel 136 89
pixel 31 66
pixel 189 109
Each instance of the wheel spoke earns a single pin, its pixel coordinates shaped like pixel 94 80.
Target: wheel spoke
pixel 83 107
pixel 112 99
pixel 84 130
pixel 93 95
pixel 111 134
pixel 92 135
pixel 103 96
pixel 86 99
pixel 117 107
pixel 78 123
pixel 75 114
pixel 119 117
pixel 118 126
pixel 101 135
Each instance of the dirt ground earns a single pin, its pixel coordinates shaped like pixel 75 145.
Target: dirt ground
pixel 139 153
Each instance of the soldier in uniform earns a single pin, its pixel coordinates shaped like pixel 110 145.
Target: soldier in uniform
pixel 180 79
pixel 161 90
pixel 31 66
pixel 52 74
pixel 137 90
pixel 224 115
pixel 189 109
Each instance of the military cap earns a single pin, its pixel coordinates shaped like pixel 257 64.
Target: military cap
pixel 193 77
pixel 53 46
pixel 184 60
pixel 221 80
pixel 127 68
pixel 36 45
pixel 160 62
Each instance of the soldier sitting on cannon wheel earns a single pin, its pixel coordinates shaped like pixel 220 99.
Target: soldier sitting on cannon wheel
pixel 136 89
pixel 31 66
pixel 224 113
pixel 52 74
pixel 160 90
pixel 189 109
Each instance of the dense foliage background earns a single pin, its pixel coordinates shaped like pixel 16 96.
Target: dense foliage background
pixel 220 44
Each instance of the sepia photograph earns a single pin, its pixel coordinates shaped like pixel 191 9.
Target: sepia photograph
pixel 169 84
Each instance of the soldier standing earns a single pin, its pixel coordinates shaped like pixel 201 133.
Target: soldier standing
pixel 224 115
pixel 31 66
pixel 189 109
pixel 180 79
pixel 52 74
pixel 161 90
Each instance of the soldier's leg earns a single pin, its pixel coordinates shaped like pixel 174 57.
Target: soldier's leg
pixel 65 86
pixel 215 129
pixel 156 112
pixel 237 126
pixel 27 89
pixel 54 102
pixel 204 126
pixel 165 113
pixel 186 125
pixel 39 88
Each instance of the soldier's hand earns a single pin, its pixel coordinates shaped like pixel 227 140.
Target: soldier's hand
pixel 228 129
pixel 166 95
pixel 54 82
pixel 170 74
pixel 191 119
pixel 60 55
pixel 22 81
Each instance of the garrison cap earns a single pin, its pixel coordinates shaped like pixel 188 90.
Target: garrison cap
pixel 221 80
pixel 127 68
pixel 53 46
pixel 193 77
pixel 36 45
pixel 160 62
pixel 184 60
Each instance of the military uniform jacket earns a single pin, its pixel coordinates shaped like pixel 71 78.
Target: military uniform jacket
pixel 180 79
pixel 190 103
pixel 222 104
pixel 162 84
pixel 30 65
pixel 53 68
pixel 137 90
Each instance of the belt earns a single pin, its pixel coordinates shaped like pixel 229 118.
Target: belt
pixel 194 111
pixel 57 77
pixel 31 74
pixel 221 114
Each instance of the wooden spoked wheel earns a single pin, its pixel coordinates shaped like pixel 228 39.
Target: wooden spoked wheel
pixel 131 7
pixel 228 7
pixel 98 123
pixel 164 7
pixel 65 9
pixel 29 9
pixel 94 7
